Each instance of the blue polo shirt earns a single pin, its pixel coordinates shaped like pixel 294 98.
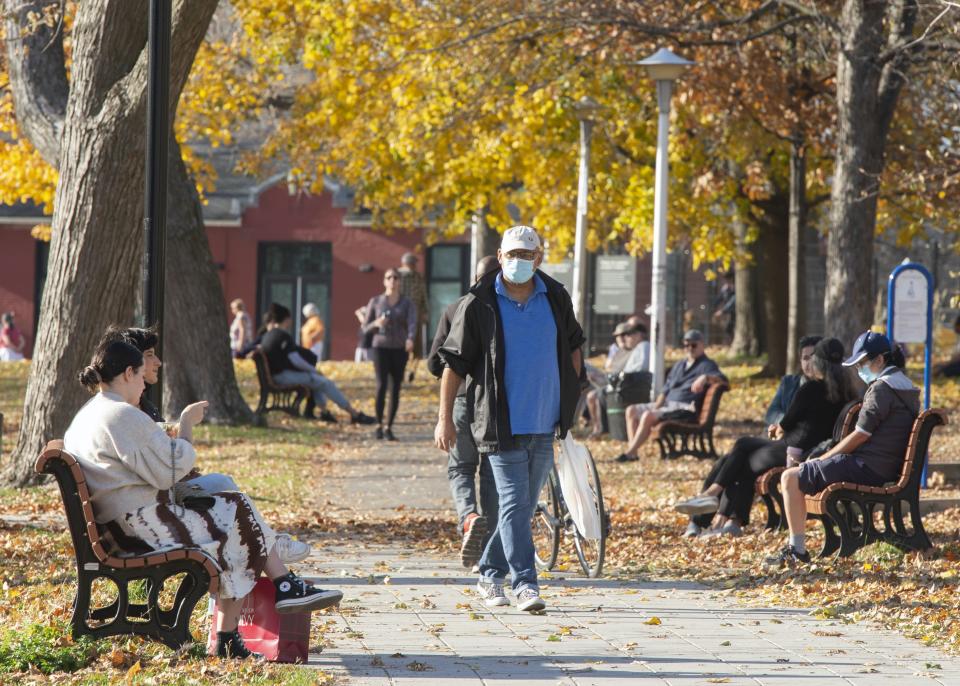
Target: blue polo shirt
pixel 531 373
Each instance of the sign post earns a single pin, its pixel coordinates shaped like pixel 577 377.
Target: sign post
pixel 910 318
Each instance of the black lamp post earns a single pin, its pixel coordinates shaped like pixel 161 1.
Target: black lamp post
pixel 155 205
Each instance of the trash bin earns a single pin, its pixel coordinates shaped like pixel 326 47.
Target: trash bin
pixel 618 399
pixel 616 419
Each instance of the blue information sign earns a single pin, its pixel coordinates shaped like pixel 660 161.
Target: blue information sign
pixel 910 318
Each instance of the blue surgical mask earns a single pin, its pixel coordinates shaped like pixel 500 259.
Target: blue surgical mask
pixel 517 271
pixel 867 374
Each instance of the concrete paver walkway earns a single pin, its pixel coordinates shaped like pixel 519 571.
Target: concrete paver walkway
pixel 411 618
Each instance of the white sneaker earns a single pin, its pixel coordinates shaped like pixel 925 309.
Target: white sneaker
pixel 731 528
pixel 701 504
pixel 492 593
pixel 529 600
pixel 290 550
pixel 692 530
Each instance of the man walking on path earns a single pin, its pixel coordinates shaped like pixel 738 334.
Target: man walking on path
pixel 516 338
pixel 464 460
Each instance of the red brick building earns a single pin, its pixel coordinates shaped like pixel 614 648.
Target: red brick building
pixel 273 245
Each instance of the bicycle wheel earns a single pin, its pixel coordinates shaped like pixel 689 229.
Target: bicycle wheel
pixel 590 552
pixel 546 524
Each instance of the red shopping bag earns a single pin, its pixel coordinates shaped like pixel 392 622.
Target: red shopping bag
pixel 279 638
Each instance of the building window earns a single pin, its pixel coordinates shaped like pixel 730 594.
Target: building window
pixel 448 278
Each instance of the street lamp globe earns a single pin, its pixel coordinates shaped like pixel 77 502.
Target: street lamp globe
pixel 664 65
pixel 586 108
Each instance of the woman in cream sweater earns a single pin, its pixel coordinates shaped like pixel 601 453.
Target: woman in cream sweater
pixel 131 465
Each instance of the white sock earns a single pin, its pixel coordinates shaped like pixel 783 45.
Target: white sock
pixel 796 540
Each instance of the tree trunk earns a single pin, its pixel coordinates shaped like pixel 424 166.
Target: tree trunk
pixel 797 222
pixel 98 210
pixel 745 338
pixel 772 247
pixel 867 92
pixel 198 364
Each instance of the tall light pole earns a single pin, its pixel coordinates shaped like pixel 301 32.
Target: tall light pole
pixel 664 67
pixel 586 108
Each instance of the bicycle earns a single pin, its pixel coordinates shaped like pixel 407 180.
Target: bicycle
pixel 552 518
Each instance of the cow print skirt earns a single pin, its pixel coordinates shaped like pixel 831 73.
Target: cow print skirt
pixel 232 532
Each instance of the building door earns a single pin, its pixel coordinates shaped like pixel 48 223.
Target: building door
pixel 293 274
pixel 448 278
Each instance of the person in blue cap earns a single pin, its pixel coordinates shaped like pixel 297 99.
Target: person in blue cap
pixel 871 455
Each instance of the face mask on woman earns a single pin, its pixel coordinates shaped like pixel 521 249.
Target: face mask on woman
pixel 867 374
pixel 517 271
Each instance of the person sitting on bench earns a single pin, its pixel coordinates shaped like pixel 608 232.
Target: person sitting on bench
pixel 288 367
pixel 682 392
pixel 633 356
pixel 132 466
pixel 289 549
pixel 871 455
pixel 728 491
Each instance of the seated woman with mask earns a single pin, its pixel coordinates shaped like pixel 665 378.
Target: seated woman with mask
pixel 130 465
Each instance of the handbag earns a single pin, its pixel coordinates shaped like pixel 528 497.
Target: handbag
pixel 192 497
pixel 573 465
pixel 278 637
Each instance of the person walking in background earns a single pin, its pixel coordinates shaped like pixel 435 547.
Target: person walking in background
pixel 412 286
pixel 464 460
pixel 364 339
pixel 516 340
pixel 725 306
pixel 392 318
pixel 311 333
pixel 11 340
pixel 241 328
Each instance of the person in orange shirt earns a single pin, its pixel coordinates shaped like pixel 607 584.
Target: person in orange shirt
pixel 311 333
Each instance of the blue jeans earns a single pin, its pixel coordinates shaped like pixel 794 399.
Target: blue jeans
pixel 462 467
pixel 321 386
pixel 520 475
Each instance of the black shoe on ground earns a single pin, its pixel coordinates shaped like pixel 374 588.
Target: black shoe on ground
pixel 230 645
pixel 296 595
pixel 471 548
pixel 388 434
pixel 624 457
pixel 379 433
pixel 361 418
pixel 787 557
pixel 327 416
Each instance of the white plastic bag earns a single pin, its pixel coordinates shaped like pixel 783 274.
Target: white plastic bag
pixel 573 467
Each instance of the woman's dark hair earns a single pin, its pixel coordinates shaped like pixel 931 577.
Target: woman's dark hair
pixel 110 360
pixel 893 358
pixel 277 313
pixel 827 359
pixel 808 342
pixel 141 339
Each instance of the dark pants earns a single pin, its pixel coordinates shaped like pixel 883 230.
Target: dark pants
pixel 737 472
pixel 462 465
pixel 388 363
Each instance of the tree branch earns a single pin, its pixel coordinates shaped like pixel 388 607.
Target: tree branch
pixel 38 77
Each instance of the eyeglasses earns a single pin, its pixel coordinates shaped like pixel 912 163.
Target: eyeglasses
pixel 391 277
pixel 522 254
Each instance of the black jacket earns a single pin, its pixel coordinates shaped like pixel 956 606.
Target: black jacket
pixel 473 350
pixel 434 362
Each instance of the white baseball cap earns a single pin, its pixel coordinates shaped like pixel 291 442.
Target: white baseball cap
pixel 520 238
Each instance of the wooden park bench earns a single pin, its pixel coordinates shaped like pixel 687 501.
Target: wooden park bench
pixel 854 515
pixel 169 625
pixel 274 396
pixel 767 485
pixel 677 439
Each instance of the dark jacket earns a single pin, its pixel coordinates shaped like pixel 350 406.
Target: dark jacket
pixel 473 350
pixel 781 401
pixel 434 362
